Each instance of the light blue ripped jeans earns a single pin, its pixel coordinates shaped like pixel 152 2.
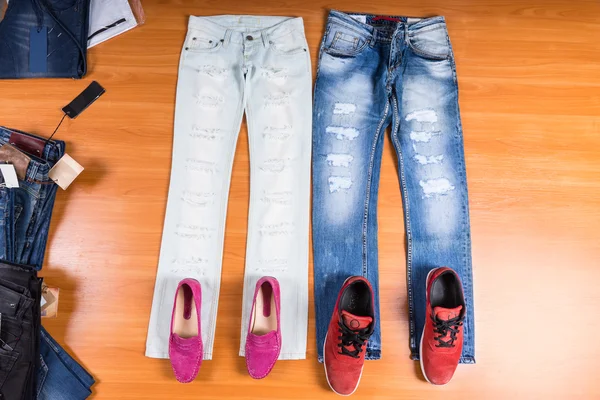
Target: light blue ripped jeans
pixel 375 72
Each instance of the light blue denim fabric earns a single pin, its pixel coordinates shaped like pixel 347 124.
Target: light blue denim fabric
pixel 374 73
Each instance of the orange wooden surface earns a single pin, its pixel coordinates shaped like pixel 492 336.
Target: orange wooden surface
pixel 529 76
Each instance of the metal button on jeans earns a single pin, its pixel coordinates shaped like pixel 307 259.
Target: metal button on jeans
pixel 249 37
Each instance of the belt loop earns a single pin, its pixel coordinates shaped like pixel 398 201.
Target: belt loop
pixel 32 171
pixel 265 38
pixel 227 38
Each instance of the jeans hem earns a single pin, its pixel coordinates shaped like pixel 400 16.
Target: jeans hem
pixel 371 355
pixel 462 360
pixel 285 356
pixel 157 354
pixel 165 355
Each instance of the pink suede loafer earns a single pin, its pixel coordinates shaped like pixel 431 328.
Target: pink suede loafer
pixel 185 343
pixel 263 343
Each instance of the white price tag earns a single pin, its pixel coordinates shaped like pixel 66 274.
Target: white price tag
pixel 10 175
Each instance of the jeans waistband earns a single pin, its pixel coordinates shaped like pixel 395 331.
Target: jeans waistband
pixel 408 24
pixel 237 28
pixel 39 166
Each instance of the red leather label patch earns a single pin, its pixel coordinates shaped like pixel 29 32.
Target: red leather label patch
pixel 28 144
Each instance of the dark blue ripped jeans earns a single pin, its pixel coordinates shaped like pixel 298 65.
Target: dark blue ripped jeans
pixel 44 39
pixel 24 225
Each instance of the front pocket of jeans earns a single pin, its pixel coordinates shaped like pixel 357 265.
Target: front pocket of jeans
pixel 341 41
pixel 202 42
pixel 432 44
pixel 9 302
pixel 288 44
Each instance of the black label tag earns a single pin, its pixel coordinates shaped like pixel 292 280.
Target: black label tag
pixel 84 100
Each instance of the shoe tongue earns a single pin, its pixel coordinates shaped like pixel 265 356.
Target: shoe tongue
pixel 355 322
pixel 444 314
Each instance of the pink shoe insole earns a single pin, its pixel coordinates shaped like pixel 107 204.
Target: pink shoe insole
pixel 266 321
pixel 185 320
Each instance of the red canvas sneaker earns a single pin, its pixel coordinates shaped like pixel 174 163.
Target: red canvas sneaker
pixel 349 330
pixel 442 339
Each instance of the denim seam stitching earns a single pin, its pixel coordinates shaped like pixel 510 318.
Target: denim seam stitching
pixel 252 154
pixel 411 312
pixel 368 192
pixel 50 343
pixel 214 308
pixel 40 382
pixel 466 246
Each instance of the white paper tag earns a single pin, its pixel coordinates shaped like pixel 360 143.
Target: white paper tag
pixel 360 18
pixel 65 171
pixel 10 175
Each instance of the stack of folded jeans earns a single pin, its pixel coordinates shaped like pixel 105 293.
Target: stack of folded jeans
pixel 50 372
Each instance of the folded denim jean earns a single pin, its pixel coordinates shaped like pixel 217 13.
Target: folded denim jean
pixel 44 39
pixel 19 331
pixel 59 373
pixel 23 237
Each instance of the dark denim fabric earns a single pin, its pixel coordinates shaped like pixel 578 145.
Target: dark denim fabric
pixel 23 237
pixel 66 24
pixel 20 291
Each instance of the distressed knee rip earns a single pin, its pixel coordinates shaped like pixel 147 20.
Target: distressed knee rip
pixel 198 199
pixel 278 133
pixel 274 73
pixel 271 265
pixel 436 187
pixel 214 71
pixel 277 100
pixel 343 133
pixel 338 183
pixel 279 229
pixel 189 266
pixel 425 160
pixel 282 198
pixel 194 232
pixel 424 125
pixel 196 165
pixel 344 108
pixel 199 132
pixel 339 160
pixel 209 101
pixel 276 165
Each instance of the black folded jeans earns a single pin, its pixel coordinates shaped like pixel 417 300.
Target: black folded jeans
pixel 20 292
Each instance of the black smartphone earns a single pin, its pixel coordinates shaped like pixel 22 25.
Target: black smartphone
pixel 84 100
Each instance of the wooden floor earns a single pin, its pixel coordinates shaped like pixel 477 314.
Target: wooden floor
pixel 529 76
